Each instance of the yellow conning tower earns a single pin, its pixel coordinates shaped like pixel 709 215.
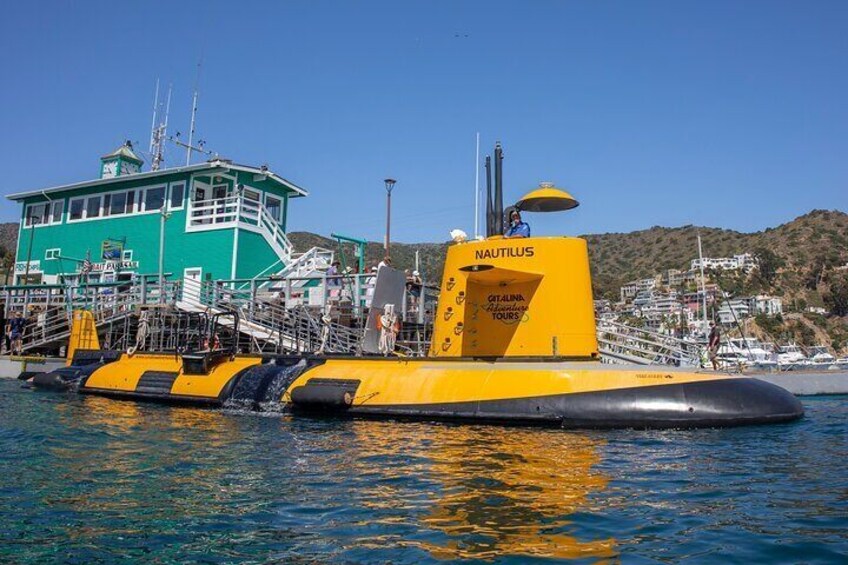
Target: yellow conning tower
pixel 518 297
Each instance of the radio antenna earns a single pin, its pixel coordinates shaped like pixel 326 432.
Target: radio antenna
pixel 153 125
pixel 158 133
pixel 189 147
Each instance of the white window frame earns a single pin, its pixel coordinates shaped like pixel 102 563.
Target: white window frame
pixel 109 214
pixel 142 201
pixel 52 253
pixel 169 192
pixel 127 255
pixel 57 204
pixel 51 207
pixel 278 199
pixel 71 205
pixel 139 196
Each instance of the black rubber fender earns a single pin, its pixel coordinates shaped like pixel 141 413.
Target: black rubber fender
pixel 330 394
pixel 51 381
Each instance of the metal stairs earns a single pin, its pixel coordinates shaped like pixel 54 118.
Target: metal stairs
pixel 269 324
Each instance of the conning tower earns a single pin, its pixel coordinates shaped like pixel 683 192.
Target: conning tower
pixel 518 297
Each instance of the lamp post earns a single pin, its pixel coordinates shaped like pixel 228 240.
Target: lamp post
pixel 163 214
pixel 390 184
pixel 35 222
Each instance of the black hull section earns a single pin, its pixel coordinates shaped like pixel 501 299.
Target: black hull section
pixel 718 403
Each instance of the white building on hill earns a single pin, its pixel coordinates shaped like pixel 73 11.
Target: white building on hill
pixel 745 262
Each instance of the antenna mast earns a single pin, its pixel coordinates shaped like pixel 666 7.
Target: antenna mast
pixel 189 147
pixel 153 125
pixel 158 132
pixel 477 190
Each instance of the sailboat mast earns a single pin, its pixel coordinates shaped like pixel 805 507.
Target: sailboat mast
pixel 703 282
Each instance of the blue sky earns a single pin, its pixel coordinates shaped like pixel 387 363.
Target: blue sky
pixel 728 114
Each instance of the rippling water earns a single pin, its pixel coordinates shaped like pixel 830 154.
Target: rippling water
pixel 87 480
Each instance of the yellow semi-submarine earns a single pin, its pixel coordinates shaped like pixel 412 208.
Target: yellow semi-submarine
pixel 514 341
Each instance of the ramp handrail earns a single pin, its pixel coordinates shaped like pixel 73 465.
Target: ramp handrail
pixel 621 342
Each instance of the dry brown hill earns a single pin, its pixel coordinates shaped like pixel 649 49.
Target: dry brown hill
pixel 807 245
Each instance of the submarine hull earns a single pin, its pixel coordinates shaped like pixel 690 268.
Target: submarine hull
pixel 706 404
pixel 567 395
pixel 559 393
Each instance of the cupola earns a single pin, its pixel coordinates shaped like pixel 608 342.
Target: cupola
pixel 122 161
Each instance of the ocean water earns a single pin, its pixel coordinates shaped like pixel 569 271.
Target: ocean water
pixel 90 480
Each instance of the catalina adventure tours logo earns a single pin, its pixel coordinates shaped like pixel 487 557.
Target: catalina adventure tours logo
pixel 505 253
pixel 507 308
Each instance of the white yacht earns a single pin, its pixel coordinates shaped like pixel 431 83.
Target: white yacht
pixel 791 357
pixel 821 358
pixel 748 352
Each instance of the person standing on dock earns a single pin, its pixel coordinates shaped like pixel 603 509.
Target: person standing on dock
pixel 16 333
pixel 517 228
pixel 713 344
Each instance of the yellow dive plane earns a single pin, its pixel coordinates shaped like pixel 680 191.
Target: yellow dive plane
pixel 514 340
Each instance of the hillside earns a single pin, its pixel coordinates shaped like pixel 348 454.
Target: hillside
pixel 817 236
pixel 807 246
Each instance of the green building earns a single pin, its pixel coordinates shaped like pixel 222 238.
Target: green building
pixel 221 221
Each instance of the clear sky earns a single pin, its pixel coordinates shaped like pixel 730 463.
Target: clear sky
pixel 728 114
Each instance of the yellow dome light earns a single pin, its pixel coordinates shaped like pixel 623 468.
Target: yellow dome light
pixel 546 198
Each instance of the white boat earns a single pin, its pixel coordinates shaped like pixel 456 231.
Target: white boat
pixel 821 358
pixel 747 352
pixel 790 357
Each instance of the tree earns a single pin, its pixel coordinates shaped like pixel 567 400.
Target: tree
pixel 767 264
pixel 836 298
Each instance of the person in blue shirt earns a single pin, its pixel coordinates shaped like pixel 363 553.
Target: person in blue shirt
pixel 517 228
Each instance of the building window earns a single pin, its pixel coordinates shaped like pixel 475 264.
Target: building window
pixel 44 213
pixel 275 207
pixel 126 255
pixel 58 209
pixel 114 204
pixel 52 253
pixel 77 207
pixel 92 207
pixel 177 195
pixel 118 203
pixel 37 214
pixel 154 198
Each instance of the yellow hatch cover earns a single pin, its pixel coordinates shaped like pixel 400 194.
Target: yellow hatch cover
pixel 547 198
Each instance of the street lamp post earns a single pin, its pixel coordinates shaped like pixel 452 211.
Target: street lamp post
pixel 163 214
pixel 35 222
pixel 390 184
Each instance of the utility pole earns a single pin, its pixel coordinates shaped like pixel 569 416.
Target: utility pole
pixel 390 184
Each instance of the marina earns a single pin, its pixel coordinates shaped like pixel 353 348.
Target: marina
pixel 435 283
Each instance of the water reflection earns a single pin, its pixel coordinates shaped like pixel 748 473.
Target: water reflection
pixel 492 492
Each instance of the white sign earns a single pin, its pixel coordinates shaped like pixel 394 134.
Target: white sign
pixel 111 266
pixel 21 267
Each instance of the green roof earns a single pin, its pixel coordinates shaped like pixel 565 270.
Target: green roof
pixel 125 152
pixel 213 165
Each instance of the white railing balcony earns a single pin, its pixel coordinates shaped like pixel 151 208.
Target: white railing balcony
pixel 238 211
